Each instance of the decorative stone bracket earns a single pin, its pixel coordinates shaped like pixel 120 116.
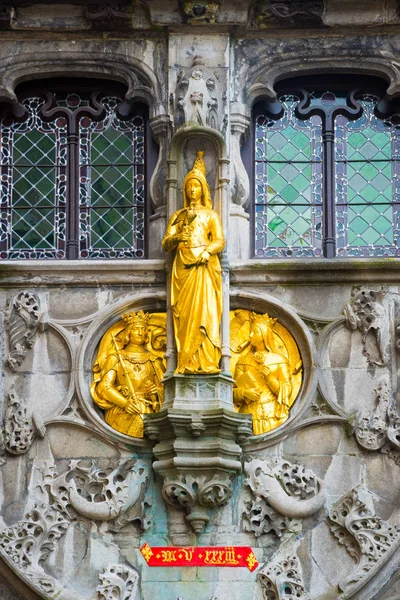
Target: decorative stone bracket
pixel 198 452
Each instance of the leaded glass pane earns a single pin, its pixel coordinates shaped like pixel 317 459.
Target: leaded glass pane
pixel 33 186
pixel 288 185
pixel 367 189
pixel 112 186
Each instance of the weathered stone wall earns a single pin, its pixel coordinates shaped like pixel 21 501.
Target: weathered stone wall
pixel 317 498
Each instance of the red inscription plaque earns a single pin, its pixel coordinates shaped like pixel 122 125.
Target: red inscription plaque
pixel 199 556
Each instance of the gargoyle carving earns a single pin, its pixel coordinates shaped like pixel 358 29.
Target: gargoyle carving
pixel 282 578
pixel 290 489
pixel 366 537
pixel 111 495
pixel 118 582
pixel 366 313
pixel 29 542
pixel 22 323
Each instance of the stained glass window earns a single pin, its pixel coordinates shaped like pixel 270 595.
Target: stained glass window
pixel 63 190
pixel 288 182
pixel 33 186
pixel 327 177
pixel 367 152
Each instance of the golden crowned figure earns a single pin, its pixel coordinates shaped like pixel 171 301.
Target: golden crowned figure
pixel 267 369
pixel 195 233
pixel 127 374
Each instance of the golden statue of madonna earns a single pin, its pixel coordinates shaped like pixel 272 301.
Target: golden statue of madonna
pixel 195 232
pixel 266 367
pixel 128 371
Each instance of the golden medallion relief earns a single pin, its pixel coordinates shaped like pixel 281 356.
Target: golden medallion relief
pixel 130 365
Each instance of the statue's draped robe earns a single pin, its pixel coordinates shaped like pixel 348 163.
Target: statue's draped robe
pixel 196 292
pixel 269 373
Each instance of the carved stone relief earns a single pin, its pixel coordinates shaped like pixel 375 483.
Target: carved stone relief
pixel 366 312
pixel 118 582
pixel 22 322
pixel 281 577
pixel 366 537
pixel 199 98
pixel 264 13
pixel 199 12
pixel 291 490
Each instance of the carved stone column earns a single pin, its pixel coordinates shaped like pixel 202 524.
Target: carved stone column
pixel 239 233
pixel 159 127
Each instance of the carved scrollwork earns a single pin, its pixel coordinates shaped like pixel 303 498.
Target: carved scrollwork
pixel 180 493
pixel 118 582
pixel 282 578
pixel 215 492
pixel 366 537
pixel 22 323
pixel 111 495
pixel 199 12
pixel 366 313
pixel 265 12
pixel 260 518
pixel 291 490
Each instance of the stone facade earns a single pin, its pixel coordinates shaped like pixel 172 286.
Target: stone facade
pixel 317 498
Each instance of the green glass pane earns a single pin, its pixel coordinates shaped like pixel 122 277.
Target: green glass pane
pixel 33 229
pixel 34 187
pixel 112 186
pixel 111 147
pixel 34 147
pixel 111 228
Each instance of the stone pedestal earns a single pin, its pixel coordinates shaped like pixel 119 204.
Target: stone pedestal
pixel 199 437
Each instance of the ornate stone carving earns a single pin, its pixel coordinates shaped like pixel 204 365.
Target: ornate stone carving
pixel 366 537
pixel 118 582
pixel 199 97
pixel 291 490
pixel 109 495
pixel 196 494
pixel 263 13
pixel 199 12
pixel 366 313
pixel 282 577
pixel 29 542
pixel 22 323
pixel 109 10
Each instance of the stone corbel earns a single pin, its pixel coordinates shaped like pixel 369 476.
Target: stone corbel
pixel 240 189
pixel 198 13
pixel 290 489
pixel 367 538
pixel 198 452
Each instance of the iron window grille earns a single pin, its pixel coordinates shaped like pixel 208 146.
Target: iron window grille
pixel 73 174
pixel 326 171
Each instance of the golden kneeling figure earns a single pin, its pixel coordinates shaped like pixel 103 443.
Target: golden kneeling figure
pixel 127 375
pixel 267 372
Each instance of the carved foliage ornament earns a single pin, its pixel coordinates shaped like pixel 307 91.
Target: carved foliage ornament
pixel 366 312
pixel 199 12
pixel 291 490
pixel 282 578
pixel 22 323
pixel 366 537
pixel 118 582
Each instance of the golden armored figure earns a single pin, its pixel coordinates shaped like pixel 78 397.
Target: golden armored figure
pixel 127 376
pixel 195 232
pixel 268 371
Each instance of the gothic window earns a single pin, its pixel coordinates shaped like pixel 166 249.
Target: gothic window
pixel 73 174
pixel 327 170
